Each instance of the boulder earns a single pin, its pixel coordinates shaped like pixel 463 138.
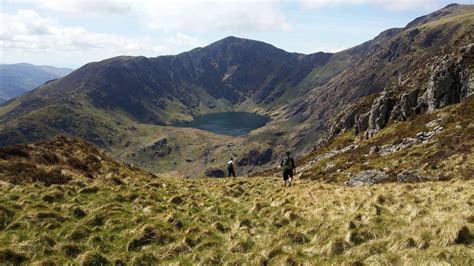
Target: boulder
pixel 362 123
pixel 366 178
pixel 380 113
pixel 214 172
pixel 409 176
pixel 408 103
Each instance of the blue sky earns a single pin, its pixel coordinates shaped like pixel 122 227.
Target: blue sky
pixel 73 32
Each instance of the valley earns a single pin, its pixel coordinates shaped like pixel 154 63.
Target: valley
pixel 128 105
pixel 123 160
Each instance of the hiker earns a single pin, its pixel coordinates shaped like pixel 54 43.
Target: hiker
pixel 288 168
pixel 230 167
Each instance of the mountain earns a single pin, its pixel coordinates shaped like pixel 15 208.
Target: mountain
pixel 16 79
pixel 128 105
pixel 101 212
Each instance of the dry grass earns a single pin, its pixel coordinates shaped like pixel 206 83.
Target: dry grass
pixel 239 221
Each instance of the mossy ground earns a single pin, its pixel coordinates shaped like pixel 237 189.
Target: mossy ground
pixel 154 220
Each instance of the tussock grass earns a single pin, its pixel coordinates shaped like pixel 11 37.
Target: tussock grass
pixel 117 214
pixel 312 222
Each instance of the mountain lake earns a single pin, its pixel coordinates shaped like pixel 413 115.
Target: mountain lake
pixel 228 123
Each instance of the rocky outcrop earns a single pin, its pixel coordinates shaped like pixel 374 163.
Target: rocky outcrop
pixel 214 172
pixel 361 123
pixel 443 87
pixel 366 178
pixel 409 176
pixel 451 81
pixel 256 157
pixel 347 120
pixel 406 106
pixel 380 113
pixel 420 138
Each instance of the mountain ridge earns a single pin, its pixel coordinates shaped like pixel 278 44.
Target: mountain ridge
pixel 16 79
pixel 305 95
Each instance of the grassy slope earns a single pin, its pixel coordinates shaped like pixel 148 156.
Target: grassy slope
pixel 157 220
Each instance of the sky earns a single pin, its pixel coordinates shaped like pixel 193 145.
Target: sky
pixel 71 33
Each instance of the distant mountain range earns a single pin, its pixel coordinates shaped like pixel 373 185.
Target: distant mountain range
pixel 16 79
pixel 128 104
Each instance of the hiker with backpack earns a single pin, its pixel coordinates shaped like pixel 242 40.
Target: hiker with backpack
pixel 230 167
pixel 288 168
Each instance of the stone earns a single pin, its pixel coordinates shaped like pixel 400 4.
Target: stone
pixel 362 123
pixel 374 149
pixel 379 113
pixel 346 121
pixel 368 177
pixel 405 143
pixel 409 176
pixel 214 172
pixel 256 157
pixel 442 86
pixel 408 103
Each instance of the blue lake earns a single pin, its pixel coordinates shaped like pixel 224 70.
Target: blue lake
pixel 228 123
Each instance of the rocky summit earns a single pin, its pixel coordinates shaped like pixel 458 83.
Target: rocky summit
pixel 100 168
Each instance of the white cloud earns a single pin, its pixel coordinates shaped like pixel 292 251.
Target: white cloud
pixel 185 15
pixel 26 34
pixel 99 7
pixel 387 4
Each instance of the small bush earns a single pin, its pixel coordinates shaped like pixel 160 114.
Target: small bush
pixel 78 212
pixel 77 164
pixel 49 158
pixel 13 151
pixel 79 233
pixel 69 250
pixel 91 258
pixel 8 256
pixel 144 259
pixel 53 196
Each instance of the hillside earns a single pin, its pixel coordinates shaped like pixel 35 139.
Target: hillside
pixel 127 105
pixel 16 79
pixel 103 212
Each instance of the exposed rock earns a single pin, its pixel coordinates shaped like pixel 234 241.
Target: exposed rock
pixel 409 176
pixel 321 143
pixel 451 80
pixel 362 123
pixel 347 120
pixel 256 157
pixel 406 106
pixel 379 113
pixel 405 143
pixel 443 89
pixel 466 75
pixel 159 149
pixel 214 172
pixel 365 178
pixel 374 149
pixel 331 154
